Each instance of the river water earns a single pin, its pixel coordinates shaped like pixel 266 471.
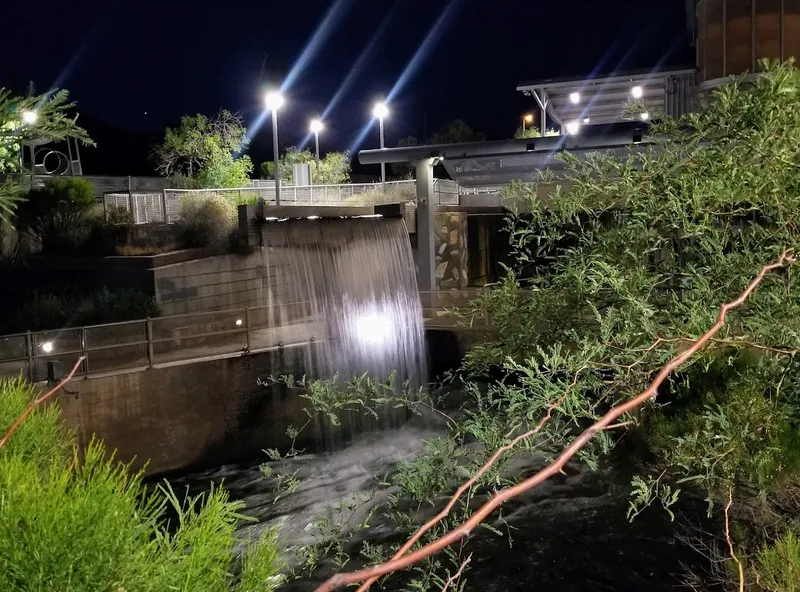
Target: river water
pixel 571 533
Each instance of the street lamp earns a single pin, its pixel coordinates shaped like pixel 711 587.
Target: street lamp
pixel 316 128
pixel 29 117
pixel 380 111
pixel 573 127
pixel 527 119
pixel 274 101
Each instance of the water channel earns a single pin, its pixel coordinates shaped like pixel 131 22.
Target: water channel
pixel 571 533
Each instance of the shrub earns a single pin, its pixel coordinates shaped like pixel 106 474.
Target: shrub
pixel 778 565
pixel 86 523
pixel 54 213
pixel 72 308
pixel 207 223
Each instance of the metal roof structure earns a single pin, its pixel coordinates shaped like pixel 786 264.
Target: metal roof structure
pixel 497 163
pixel 604 100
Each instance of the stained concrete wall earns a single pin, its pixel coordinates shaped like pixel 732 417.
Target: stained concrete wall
pixel 215 411
pixel 210 283
pixel 197 414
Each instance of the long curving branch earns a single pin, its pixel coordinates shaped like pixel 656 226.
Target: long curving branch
pixel 344 579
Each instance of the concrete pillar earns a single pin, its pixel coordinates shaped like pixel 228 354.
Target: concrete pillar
pixel 426 241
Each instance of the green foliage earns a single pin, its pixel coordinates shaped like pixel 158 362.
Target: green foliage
pixel 206 151
pixel 534 132
pixel 778 565
pixel 223 170
pixel 73 308
pixel 53 122
pixel 456 132
pixel 334 167
pixel 207 222
pixel 619 262
pixel 85 522
pixel 54 214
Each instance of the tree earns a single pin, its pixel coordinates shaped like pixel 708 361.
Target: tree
pixel 534 132
pixel 48 118
pixel 53 214
pixel 334 167
pixel 626 270
pixel 456 132
pixel 206 151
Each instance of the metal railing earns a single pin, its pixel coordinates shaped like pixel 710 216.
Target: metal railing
pixel 147 343
pixel 165 206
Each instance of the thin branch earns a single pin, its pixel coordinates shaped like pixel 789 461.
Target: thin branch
pixel 39 401
pixel 456 576
pixel 474 479
pixel 556 466
pixel 730 542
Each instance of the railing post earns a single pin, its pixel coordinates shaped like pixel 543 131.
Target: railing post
pixel 148 328
pixel 247 328
pixel 29 353
pixel 165 216
pixel 130 201
pixel 84 351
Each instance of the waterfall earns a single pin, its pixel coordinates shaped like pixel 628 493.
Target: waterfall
pixel 351 283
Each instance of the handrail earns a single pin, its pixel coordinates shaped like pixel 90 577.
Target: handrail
pixel 100 351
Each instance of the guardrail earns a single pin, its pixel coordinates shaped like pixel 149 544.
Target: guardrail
pixel 165 205
pixel 147 343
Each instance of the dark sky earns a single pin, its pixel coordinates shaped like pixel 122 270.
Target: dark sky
pixel 140 64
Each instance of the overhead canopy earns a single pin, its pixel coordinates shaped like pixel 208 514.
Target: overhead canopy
pixel 483 164
pixel 591 101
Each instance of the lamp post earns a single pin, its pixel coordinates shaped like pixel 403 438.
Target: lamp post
pixel 316 128
pixel 526 119
pixel 380 111
pixel 274 101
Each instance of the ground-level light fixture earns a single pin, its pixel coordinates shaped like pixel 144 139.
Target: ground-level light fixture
pixel 239 322
pixel 637 92
pixel 586 120
pixel 644 116
pixel 575 98
pixel 274 100
pixel 30 117
pixel 573 127
pixel 47 347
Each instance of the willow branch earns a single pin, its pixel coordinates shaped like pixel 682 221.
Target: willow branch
pixel 456 576
pixel 474 479
pixel 339 580
pixel 39 401
pixel 730 542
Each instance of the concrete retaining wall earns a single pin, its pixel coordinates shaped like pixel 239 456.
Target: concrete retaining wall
pixel 196 414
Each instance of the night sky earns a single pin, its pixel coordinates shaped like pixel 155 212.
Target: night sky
pixel 139 65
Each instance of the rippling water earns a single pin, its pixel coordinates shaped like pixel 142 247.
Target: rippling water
pixel 571 533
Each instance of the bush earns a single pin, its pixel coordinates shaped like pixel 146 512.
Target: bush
pixel 54 213
pixel 207 223
pixel 778 565
pixel 74 309
pixel 86 523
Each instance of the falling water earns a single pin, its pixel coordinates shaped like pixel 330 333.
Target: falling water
pixel 352 282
